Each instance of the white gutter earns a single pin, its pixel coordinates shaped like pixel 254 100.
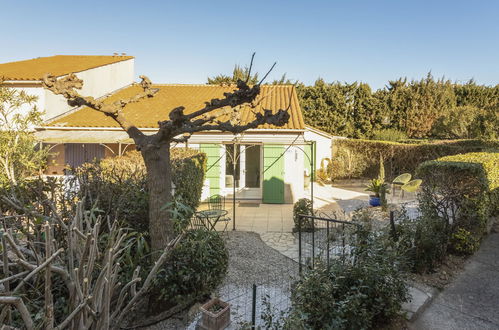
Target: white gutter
pixel 149 129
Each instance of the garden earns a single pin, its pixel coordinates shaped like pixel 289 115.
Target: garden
pixel 78 251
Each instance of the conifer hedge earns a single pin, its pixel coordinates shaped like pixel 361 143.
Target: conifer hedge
pixel 360 158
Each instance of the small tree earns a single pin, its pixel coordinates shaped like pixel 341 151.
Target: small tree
pixel 19 156
pixel 155 148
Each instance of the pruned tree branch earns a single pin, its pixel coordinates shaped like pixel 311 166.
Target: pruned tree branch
pixel 68 85
pixel 178 123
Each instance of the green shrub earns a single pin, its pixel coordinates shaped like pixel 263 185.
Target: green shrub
pixel 196 267
pixel 359 158
pixel 348 295
pixel 423 242
pixel 188 171
pixel 389 134
pixel 462 189
pixel 118 185
pixel 463 242
pixel 304 207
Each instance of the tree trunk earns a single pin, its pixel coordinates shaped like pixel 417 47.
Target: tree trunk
pixel 157 161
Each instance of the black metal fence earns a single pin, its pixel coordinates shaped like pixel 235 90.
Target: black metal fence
pixel 323 238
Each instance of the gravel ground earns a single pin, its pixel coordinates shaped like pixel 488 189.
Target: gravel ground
pixel 251 261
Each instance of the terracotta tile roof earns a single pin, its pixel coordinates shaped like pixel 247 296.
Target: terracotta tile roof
pixel 58 65
pixel 147 112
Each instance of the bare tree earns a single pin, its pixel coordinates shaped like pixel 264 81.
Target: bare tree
pixel 155 149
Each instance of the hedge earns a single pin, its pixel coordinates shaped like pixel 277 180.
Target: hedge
pixel 188 171
pixel 360 158
pixel 118 184
pixel 463 189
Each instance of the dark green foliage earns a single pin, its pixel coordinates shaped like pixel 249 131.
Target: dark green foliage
pixel 462 189
pixel 304 207
pixel 426 108
pixel 118 185
pixel 348 295
pixel 359 158
pixel 423 241
pixel 239 73
pixel 463 242
pixel 188 170
pixel 196 267
pixel 340 109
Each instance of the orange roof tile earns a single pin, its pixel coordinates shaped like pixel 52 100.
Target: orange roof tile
pixel 147 112
pixel 58 65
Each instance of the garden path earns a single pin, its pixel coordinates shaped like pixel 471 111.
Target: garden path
pixel 472 300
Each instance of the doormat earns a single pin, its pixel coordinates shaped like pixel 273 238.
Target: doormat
pixel 249 204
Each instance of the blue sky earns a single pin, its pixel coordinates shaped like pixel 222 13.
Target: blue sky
pixel 186 41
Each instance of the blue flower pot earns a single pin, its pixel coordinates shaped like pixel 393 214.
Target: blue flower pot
pixel 374 201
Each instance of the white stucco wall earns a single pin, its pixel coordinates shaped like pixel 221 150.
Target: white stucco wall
pixel 33 91
pixel 97 83
pixel 323 146
pixel 293 175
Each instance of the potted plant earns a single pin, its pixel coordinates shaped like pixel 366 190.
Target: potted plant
pixel 377 187
pixel 215 315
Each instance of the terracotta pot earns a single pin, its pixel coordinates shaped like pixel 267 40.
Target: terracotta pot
pixel 215 320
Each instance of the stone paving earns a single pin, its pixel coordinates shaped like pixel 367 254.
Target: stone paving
pixel 472 300
pixel 274 222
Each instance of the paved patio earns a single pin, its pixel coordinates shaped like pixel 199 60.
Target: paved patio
pixel 274 222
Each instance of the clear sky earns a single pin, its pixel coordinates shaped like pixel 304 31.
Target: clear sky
pixel 186 41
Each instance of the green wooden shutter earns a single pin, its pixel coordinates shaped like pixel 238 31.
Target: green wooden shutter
pixel 213 171
pixel 273 174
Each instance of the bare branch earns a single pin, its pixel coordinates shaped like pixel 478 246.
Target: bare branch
pixel 36 270
pixel 251 66
pixel 149 278
pixel 21 307
pixel 68 85
pixel 268 72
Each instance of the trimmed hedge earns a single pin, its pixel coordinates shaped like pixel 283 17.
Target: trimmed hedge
pixel 360 158
pixel 119 186
pixel 463 189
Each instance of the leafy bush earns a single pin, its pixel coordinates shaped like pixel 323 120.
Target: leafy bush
pixel 423 242
pixel 118 185
pixel 389 134
pixel 359 158
pixel 462 189
pixel 188 170
pixel 304 207
pixel 349 295
pixel 463 242
pixel 196 266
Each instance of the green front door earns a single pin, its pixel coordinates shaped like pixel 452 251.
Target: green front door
pixel 273 174
pixel 213 171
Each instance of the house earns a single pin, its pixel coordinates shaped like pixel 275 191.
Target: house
pixel 267 164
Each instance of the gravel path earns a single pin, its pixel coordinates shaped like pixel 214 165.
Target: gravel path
pixel 251 261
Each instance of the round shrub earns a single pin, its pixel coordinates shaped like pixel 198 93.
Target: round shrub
pixel 197 265
pixel 463 242
pixel 303 206
pixel 349 295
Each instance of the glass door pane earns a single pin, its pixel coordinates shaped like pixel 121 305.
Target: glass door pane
pixel 252 179
pixel 230 177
